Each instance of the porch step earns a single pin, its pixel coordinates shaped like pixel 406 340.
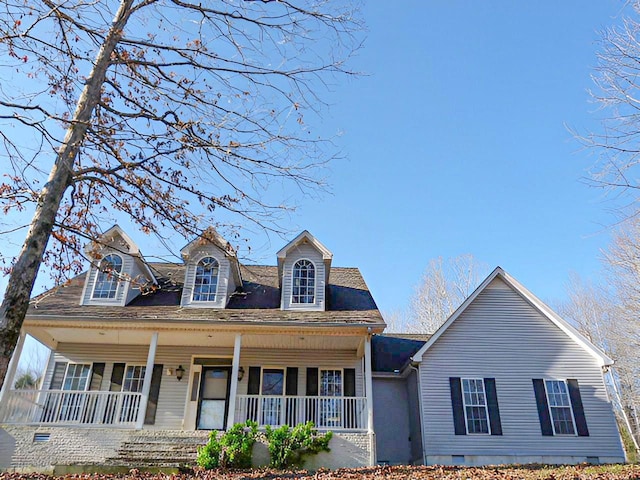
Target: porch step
pixel 159 451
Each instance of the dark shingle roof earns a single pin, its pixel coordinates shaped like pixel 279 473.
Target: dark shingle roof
pixel 349 300
pixel 391 352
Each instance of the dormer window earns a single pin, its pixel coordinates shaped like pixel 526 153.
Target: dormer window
pixel 108 277
pixel 206 281
pixel 304 282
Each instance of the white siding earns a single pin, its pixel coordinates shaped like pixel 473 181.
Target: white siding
pixel 224 273
pixel 307 252
pixel 502 336
pixel 173 393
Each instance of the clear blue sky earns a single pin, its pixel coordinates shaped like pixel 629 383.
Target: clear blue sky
pixel 456 142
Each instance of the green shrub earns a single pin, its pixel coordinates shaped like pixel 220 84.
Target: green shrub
pixel 287 446
pixel 232 449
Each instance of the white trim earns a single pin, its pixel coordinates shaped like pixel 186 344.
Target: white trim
pixel 315 284
pixel 486 406
pixel 326 254
pixel 549 407
pixel 119 281
pixel 146 386
pixel 87 381
pixel 124 376
pixel 10 374
pixel 193 287
pixel 334 369
pixel 603 360
pixel 233 388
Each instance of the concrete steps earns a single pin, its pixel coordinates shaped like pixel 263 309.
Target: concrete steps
pixel 143 451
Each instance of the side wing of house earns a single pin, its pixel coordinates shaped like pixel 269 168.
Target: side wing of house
pixel 505 384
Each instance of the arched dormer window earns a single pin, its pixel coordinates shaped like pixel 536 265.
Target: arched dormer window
pixel 304 282
pixel 108 277
pixel 206 282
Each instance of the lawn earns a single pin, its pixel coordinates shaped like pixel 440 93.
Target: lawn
pixel 586 472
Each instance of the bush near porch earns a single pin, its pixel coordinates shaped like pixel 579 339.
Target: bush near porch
pixel 537 472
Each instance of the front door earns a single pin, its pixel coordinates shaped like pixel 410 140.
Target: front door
pixel 214 398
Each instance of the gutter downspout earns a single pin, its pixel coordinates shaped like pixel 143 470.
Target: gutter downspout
pixel 416 367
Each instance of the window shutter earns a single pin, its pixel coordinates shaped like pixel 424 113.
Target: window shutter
pixel 492 405
pixel 154 393
pixel 312 382
pixel 543 407
pixel 58 376
pixel 117 374
pixel 460 427
pixel 97 372
pixel 292 381
pixel 349 382
pixel 578 409
pixel 253 388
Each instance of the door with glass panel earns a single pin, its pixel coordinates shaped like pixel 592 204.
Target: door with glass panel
pixel 214 396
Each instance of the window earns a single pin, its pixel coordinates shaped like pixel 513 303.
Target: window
pixel 475 405
pixel 71 404
pixel 108 277
pixel 133 378
pixel 560 407
pixel 330 408
pixel 304 282
pixel 273 389
pixel 76 377
pixel 206 282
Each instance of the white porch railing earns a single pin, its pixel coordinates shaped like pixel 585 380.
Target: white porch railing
pixel 68 407
pixel 327 413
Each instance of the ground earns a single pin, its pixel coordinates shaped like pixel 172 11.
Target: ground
pixel 581 472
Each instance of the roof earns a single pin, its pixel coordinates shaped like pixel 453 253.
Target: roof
pixel 534 301
pixel 348 300
pixel 392 352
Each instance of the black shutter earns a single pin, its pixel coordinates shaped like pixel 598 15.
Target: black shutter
pixel 154 393
pixel 292 381
pixel 492 405
pixel 117 374
pixel 312 391
pixel 57 378
pixel 349 382
pixel 543 407
pixel 253 388
pixel 457 405
pixel 97 372
pixel 578 409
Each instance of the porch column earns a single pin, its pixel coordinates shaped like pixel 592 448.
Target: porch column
pixel 233 390
pixel 11 370
pixel 146 384
pixel 368 384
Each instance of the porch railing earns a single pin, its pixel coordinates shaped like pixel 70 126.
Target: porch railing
pixel 327 413
pixel 68 407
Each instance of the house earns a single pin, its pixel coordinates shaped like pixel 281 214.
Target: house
pixel 148 357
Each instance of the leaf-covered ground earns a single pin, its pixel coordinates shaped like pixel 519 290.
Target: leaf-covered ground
pixel 581 472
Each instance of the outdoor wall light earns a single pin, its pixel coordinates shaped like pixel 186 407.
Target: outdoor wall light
pixel 179 372
pixel 169 371
pixel 240 373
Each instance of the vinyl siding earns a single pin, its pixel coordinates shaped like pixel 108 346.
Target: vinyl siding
pixel 500 335
pixel 173 393
pixel 133 290
pixel 309 253
pixel 224 273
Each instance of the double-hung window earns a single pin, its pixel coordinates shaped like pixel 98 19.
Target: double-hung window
pixel 475 405
pixel 272 391
pixel 560 407
pixel 108 277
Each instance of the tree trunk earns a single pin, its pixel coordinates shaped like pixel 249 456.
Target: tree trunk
pixel 23 274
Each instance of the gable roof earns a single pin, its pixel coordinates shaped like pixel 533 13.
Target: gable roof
pixel 305 237
pixel 535 302
pixel 211 237
pixel 392 352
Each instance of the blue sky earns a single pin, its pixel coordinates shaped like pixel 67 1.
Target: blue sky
pixel 456 142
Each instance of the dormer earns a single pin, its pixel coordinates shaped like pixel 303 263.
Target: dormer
pixel 304 265
pixel 118 272
pixel 212 271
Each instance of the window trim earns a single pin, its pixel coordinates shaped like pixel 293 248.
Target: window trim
pixel 284 379
pixel 486 406
pixel 315 282
pixel 216 298
pixel 118 277
pixel 124 376
pixel 87 381
pixel 570 407
pixel 341 370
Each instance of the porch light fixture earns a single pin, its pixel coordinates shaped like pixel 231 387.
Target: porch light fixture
pixel 179 372
pixel 240 373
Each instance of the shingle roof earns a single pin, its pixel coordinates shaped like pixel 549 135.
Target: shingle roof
pixel 391 352
pixel 348 300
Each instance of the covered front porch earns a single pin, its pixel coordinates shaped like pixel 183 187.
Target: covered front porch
pixel 127 376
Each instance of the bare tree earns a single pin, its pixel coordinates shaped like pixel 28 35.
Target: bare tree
pixel 445 285
pixel 178 114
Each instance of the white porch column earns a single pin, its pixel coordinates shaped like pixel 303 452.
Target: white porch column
pixel 13 366
pixel 368 384
pixel 146 384
pixel 233 391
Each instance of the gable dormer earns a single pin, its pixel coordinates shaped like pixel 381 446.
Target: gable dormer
pixel 212 271
pixel 304 265
pixel 118 272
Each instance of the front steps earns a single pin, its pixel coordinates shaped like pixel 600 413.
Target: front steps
pixel 159 450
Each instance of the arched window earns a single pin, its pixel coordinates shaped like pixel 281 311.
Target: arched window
pixel 206 282
pixel 304 282
pixel 108 277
